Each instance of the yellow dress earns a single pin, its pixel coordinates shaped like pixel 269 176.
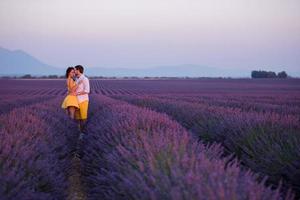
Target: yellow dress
pixel 70 100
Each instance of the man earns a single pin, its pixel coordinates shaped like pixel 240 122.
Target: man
pixel 82 93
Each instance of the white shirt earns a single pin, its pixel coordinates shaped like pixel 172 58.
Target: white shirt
pixel 83 87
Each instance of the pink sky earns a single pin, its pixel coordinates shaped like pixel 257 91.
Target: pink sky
pixel 138 33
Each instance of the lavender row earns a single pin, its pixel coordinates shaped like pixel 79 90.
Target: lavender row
pixel 35 154
pixel 204 86
pixel 32 87
pixel 290 98
pixel 10 102
pixel 268 143
pixel 135 153
pixel 284 105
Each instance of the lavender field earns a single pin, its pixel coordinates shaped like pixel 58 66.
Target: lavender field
pixel 152 139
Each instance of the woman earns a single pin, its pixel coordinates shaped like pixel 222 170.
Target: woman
pixel 70 103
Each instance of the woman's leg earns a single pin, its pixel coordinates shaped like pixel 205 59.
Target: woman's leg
pixel 72 112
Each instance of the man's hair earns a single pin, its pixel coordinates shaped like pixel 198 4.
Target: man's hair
pixel 79 68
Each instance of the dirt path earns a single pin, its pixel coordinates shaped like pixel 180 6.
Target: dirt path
pixel 76 189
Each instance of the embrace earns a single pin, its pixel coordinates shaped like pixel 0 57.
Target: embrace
pixel 77 101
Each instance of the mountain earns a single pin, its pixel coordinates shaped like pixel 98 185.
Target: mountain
pixel 189 70
pixel 19 62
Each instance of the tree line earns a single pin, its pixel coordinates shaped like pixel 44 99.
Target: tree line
pixel 268 74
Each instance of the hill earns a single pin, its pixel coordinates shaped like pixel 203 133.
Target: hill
pixel 19 62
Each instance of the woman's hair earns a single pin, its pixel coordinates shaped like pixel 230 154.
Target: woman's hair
pixel 68 71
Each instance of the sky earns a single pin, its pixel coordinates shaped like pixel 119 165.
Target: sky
pixel 238 34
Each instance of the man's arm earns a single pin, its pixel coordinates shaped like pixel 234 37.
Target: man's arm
pixel 86 89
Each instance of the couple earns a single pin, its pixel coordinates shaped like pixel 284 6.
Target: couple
pixel 77 101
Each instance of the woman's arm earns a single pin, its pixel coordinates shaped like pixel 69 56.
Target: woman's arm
pixel 73 88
